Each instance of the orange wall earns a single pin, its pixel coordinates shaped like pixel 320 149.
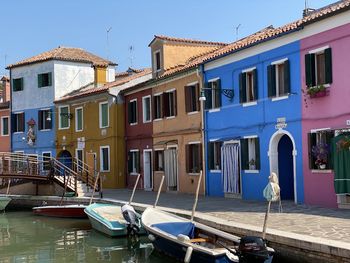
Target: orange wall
pixel 5 143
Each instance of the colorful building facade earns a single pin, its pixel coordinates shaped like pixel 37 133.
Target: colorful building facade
pixel 5 115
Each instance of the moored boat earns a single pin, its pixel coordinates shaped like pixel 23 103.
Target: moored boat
pixel 69 211
pixel 190 241
pixel 4 201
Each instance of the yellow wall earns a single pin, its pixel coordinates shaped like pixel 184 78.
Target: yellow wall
pixel 112 136
pixel 100 75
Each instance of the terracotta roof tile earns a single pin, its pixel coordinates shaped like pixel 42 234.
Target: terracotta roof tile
pixel 5 78
pixel 127 72
pixel 186 40
pixel 65 54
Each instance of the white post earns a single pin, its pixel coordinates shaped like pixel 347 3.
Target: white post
pixel 133 191
pixel 265 220
pixel 160 189
pixel 197 192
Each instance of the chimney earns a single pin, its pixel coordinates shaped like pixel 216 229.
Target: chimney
pixel 308 11
pixel 100 75
pixel 5 89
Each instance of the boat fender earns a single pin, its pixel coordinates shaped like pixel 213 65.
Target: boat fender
pixel 151 238
pixel 183 238
pixel 188 255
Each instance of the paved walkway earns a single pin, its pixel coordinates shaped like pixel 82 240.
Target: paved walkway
pixel 331 224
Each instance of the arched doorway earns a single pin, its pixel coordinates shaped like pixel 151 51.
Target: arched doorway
pixel 65 158
pixel 282 154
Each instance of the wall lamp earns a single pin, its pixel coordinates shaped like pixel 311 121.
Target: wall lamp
pixel 226 92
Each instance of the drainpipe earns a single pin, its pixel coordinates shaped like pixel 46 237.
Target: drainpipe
pixel 200 76
pixel 10 109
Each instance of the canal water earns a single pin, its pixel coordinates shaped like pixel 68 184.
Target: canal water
pixel 26 238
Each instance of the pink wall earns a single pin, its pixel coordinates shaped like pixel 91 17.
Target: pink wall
pixel 330 111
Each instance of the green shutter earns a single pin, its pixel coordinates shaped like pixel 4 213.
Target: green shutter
pixel 329 137
pixel 208 96
pixel 188 98
pixel 256 91
pixel 218 94
pixel 311 141
pixel 40 80
pixel 211 153
pixel 242 88
pixel 40 119
pixel 287 77
pixel 244 154
pixel 271 80
pixel 165 98
pixel 310 70
pixel 328 65
pixel 130 162
pixel 257 153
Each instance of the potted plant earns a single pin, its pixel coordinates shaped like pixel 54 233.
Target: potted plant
pixel 320 153
pixel 317 91
pixel 252 164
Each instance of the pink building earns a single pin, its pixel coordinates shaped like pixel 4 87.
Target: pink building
pixel 5 116
pixel 325 63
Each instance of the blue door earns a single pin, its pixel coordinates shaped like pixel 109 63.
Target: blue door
pixel 285 168
pixel 65 158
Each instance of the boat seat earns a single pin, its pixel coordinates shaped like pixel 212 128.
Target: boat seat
pixel 198 240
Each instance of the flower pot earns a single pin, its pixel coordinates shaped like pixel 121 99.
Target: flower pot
pixel 319 94
pixel 322 166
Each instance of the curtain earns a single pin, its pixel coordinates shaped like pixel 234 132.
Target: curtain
pixel 341 164
pixel 170 167
pixel 230 168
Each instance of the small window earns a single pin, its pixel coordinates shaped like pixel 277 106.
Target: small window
pixel 134 162
pixel 104 115
pixel 64 121
pixel 248 86
pixel 194 158
pixel 4 126
pixel 146 109
pixel 213 94
pixel 17 84
pixel 170 103
pixel 157 64
pixel 278 79
pixel 44 80
pixel 18 122
pixel 158 106
pixel 159 160
pixel 318 68
pixel 214 155
pixel 132 112
pixel 250 154
pixel 104 158
pixel 192 98
pixel 78 119
pixel 80 159
pixel 44 119
pixel 46 160
pixel 320 157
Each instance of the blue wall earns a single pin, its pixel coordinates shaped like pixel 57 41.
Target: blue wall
pixel 234 121
pixel 45 140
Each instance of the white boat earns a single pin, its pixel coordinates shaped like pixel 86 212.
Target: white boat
pixel 190 241
pixel 4 201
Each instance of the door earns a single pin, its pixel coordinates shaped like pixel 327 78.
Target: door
pixel 147 169
pixel 170 168
pixel 231 176
pixel 285 168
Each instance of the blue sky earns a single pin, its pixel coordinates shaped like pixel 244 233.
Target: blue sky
pixel 31 27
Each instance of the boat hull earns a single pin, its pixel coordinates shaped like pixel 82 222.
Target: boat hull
pixel 97 225
pixel 4 201
pixel 68 211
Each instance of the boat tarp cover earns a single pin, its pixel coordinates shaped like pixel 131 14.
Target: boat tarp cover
pixel 177 228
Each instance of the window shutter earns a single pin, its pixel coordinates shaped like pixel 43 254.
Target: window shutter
pixel 257 154
pixel 165 104
pixel 40 120
pixel 196 97
pixel 23 122
pixel 175 103
pixel 188 98
pixel 287 77
pixel 40 80
pixel 187 158
pixel 218 94
pixel 200 157
pixel 244 154
pixel 271 80
pixel 256 91
pixel 208 96
pixel 50 78
pixel 310 70
pixel 13 123
pixel 155 107
pixel 135 115
pixel 328 65
pixel 49 123
pixel 311 140
pixel 211 156
pixel 138 167
pixel 329 137
pixel 129 162
pixel 242 88
pixel 130 112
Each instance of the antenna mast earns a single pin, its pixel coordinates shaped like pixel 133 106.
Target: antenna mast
pixel 107 33
pixel 237 27
pixel 131 50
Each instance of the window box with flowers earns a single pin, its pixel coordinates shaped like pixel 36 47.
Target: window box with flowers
pixel 317 91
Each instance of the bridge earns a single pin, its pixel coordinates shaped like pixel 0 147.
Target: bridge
pixel 79 178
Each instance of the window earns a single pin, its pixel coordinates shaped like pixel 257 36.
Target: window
pixel 79 119
pixel 250 153
pixel 213 94
pixel 17 84
pixel 146 108
pixel 132 112
pixel 104 159
pixel 44 119
pixel 44 80
pixel 193 157
pixel 278 79
pixel 157 66
pixel 214 155
pixel 192 98
pixel 104 115
pixel 80 159
pixel 248 86
pixel 170 103
pixel 18 122
pixel 46 160
pixel 159 160
pixel 158 112
pixel 64 121
pixel 134 162
pixel 318 67
pixel 4 126
pixel 320 149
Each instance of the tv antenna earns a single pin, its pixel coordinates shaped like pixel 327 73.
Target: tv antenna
pixel 107 33
pixel 131 50
pixel 237 28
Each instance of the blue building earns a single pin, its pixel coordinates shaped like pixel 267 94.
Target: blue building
pixel 258 131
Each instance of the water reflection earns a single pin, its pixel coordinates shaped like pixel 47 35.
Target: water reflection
pixel 28 238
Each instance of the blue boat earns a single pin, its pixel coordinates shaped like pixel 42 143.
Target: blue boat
pixel 190 241
pixel 108 219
